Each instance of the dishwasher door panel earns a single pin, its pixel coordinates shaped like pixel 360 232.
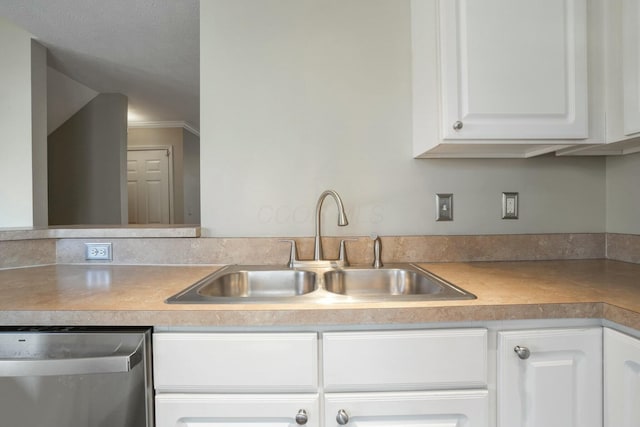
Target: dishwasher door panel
pixel 118 394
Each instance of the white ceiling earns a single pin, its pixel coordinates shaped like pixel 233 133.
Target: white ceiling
pixel 145 49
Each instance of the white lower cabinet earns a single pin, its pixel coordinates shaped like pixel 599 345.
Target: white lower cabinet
pixel 622 380
pixel 405 360
pixel 236 362
pixel 245 379
pixel 421 378
pixel 240 410
pixel 550 378
pixel 412 378
pixel 459 408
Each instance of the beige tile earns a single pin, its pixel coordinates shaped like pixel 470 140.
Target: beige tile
pixel 623 247
pixel 20 253
pixel 360 251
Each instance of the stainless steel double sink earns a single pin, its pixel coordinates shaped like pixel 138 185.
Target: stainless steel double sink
pixel 271 284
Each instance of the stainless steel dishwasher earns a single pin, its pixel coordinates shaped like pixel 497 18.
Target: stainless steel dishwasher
pixel 75 377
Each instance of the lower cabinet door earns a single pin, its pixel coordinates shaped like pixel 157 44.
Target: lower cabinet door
pixel 464 408
pixel 550 378
pixel 621 380
pixel 240 410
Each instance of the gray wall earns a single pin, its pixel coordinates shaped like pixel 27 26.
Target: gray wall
pixel 298 96
pixel 16 179
pixel 623 194
pixel 39 133
pixel 191 168
pixel 65 97
pixel 87 165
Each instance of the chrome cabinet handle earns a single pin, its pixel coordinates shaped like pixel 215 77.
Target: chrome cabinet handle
pixel 302 417
pixel 522 352
pixel 342 418
pixel 458 125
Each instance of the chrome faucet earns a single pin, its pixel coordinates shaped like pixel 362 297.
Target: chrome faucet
pixel 342 221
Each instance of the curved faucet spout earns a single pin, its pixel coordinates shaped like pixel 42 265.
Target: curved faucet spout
pixel 342 220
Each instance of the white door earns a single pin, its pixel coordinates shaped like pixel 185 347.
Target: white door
pixel 621 380
pixel 148 186
pixel 461 408
pixel 240 410
pixel 513 69
pixel 554 380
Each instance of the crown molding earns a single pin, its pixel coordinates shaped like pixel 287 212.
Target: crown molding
pixel 169 124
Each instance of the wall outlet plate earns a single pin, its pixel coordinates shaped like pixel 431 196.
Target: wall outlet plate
pixel 444 207
pixel 98 252
pixel 509 205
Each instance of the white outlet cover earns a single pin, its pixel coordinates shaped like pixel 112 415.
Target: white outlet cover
pixel 98 252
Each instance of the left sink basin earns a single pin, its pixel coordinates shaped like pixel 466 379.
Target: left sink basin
pixel 233 284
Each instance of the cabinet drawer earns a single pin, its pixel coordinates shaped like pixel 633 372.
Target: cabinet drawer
pixel 405 360
pixel 236 362
pixel 442 408
pixel 224 410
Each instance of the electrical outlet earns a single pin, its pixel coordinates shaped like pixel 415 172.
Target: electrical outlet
pixel 509 205
pixel 444 207
pixel 98 251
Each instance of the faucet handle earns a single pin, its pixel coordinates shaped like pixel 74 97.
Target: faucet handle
pixel 293 254
pixel 342 254
pixel 377 251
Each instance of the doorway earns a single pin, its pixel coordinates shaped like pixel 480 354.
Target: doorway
pixel 150 185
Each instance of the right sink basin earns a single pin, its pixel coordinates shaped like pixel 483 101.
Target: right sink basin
pixel 392 282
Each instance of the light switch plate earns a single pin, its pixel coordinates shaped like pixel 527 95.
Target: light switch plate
pixel 509 205
pixel 444 207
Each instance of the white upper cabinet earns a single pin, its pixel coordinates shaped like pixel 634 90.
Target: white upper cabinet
pixel 631 68
pixel 513 69
pixel 499 78
pixel 521 78
pixel 615 54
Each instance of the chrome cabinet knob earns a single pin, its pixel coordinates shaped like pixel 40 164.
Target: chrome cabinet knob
pixel 302 417
pixel 522 352
pixel 342 418
pixel 458 125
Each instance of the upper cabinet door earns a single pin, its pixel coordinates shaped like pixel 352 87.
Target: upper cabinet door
pixel 513 69
pixel 631 66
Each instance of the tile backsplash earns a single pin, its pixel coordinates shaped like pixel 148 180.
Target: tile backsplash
pixel 359 251
pixel 20 253
pixel 197 250
pixel 623 247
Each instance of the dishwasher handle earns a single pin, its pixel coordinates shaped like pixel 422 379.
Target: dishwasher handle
pixel 119 361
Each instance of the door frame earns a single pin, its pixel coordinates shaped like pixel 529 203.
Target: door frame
pixel 169 149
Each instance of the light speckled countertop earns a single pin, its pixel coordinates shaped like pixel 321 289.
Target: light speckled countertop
pixel 134 295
